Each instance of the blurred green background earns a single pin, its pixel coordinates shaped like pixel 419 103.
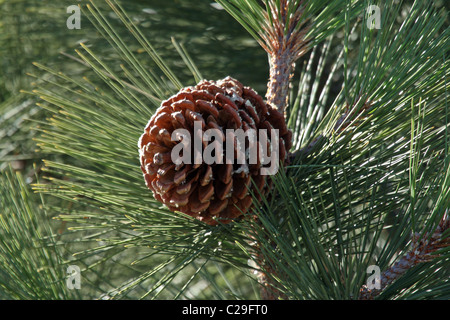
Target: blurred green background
pixel 36 31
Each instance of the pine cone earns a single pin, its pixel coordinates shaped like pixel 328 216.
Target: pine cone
pixel 218 190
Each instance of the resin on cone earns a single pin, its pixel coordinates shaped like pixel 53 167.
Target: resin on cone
pixel 209 192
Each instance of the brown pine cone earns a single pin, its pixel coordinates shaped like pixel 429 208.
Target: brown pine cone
pixel 218 190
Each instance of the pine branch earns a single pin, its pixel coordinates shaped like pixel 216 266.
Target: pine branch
pixel 424 248
pixel 285 42
pixel 326 215
pixel 283 37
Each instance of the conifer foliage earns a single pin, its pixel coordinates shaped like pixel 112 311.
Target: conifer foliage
pixel 366 184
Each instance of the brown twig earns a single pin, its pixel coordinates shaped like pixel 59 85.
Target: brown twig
pixel 285 42
pixel 424 249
